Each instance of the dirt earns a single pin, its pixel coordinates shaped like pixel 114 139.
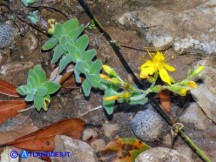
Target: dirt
pixel 68 103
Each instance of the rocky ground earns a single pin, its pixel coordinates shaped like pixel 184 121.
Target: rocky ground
pixel 186 30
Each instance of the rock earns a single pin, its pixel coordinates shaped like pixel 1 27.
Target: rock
pixel 79 150
pixel 194 114
pixel 148 125
pixel 98 145
pixel 191 25
pixel 89 133
pixel 6 35
pixel 159 154
pixel 185 150
pixel 205 95
pixel 110 130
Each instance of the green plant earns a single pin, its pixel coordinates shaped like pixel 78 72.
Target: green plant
pixel 70 47
pixel 28 2
pixel 33 17
pixel 38 89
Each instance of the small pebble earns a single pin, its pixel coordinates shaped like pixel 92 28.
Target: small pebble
pixel 111 130
pixel 98 145
pixel 89 133
pixel 6 35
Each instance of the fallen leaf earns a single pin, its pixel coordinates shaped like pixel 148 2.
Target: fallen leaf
pixel 6 137
pixel 165 100
pixel 71 83
pixel 123 150
pixel 43 139
pixel 9 108
pixel 8 89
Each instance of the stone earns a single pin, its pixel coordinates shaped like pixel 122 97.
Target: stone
pixel 148 125
pixel 191 25
pixel 111 130
pixel 185 150
pixel 98 145
pixel 159 154
pixel 194 114
pixel 6 35
pixel 79 150
pixel 89 133
pixel 205 95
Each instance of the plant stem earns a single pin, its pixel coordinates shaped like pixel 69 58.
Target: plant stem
pixel 24 110
pixel 194 146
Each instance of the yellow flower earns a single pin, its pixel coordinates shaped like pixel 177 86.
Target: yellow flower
pixel 157 64
pixel 51 26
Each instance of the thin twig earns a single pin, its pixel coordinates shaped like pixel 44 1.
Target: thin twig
pixel 93 109
pixel 24 110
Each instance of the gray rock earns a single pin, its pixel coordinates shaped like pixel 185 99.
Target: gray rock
pixel 194 114
pixel 98 145
pixel 159 154
pixel 89 133
pixel 79 150
pixel 205 95
pixel 148 125
pixel 191 24
pixel 110 130
pixel 6 35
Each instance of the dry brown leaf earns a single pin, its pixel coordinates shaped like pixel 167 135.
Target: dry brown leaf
pixel 9 108
pixel 6 137
pixel 8 89
pixel 43 139
pixel 165 100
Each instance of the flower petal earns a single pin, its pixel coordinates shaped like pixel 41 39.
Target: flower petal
pixel 164 76
pixel 147 71
pixel 146 64
pixel 168 67
pixel 159 56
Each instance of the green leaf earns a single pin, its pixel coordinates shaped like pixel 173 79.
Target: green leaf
pixel 64 62
pixel 41 91
pixel 38 102
pixel 32 74
pixel 33 17
pixel 109 106
pixel 51 87
pixel 96 67
pixel 88 55
pixel 82 67
pixel 74 52
pixel 50 44
pixel 58 52
pixel 32 82
pixel 40 73
pixel 94 80
pixel 86 87
pixel 22 90
pixel 59 31
pixel 77 75
pixel 82 43
pixel 30 96
pixel 71 25
pixel 138 102
pixel 74 34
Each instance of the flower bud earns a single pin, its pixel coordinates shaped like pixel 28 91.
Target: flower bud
pixel 192 84
pixel 126 95
pixel 109 70
pixel 182 92
pixel 197 71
